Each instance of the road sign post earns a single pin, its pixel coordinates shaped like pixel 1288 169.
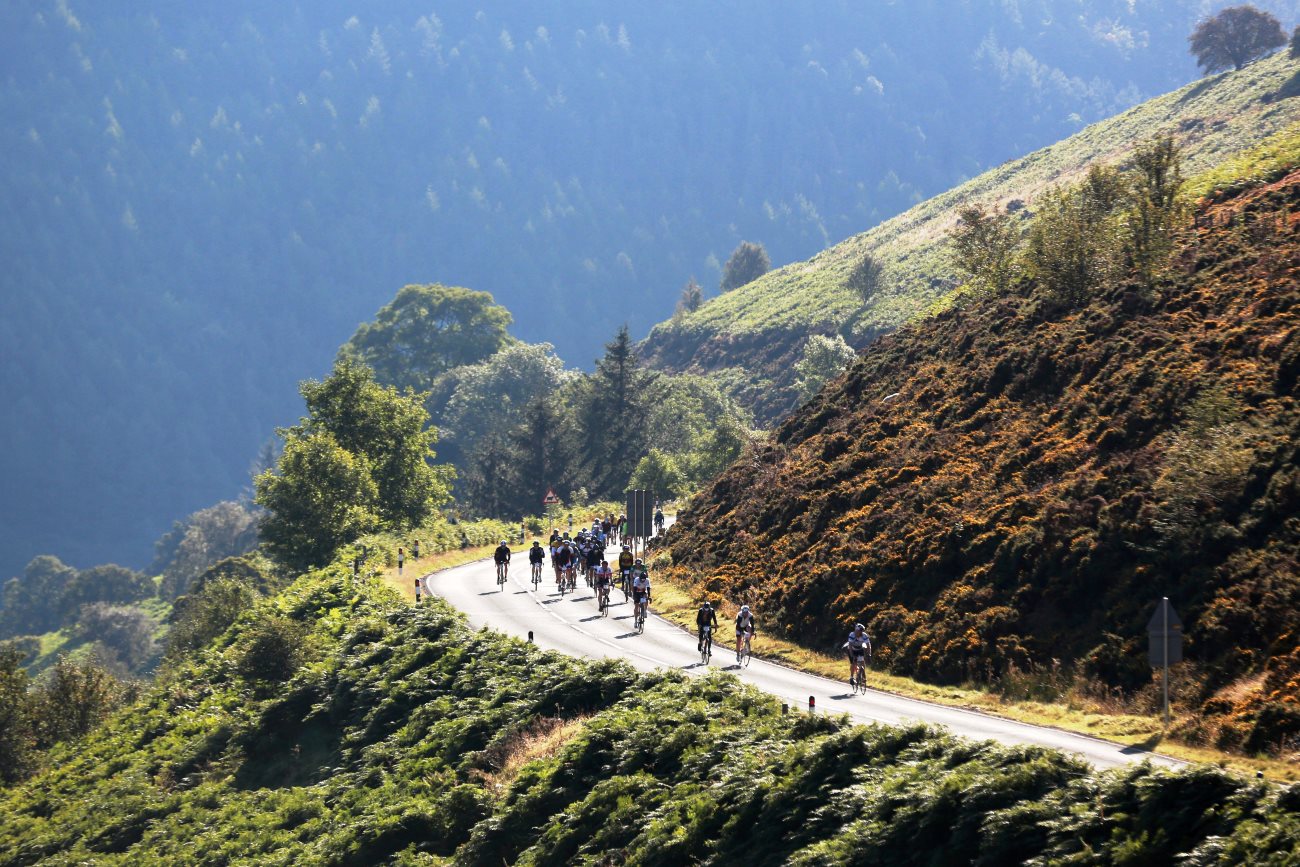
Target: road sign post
pixel 639 515
pixel 1165 632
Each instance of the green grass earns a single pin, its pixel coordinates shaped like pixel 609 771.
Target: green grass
pixel 1268 161
pixel 403 736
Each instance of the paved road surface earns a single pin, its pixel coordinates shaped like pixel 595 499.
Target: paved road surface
pixel 571 624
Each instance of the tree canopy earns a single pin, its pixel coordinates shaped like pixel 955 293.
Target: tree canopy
pixel 389 430
pixel 426 331
pixel 1234 37
pixel 359 461
pixel 746 264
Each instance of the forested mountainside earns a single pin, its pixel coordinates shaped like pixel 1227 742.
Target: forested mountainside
pixel 202 200
pixel 750 339
pixel 336 725
pixel 1015 482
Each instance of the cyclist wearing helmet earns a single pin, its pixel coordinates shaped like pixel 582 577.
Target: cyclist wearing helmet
pixel 502 558
pixel 706 616
pixel 746 626
pixel 625 561
pixel 858 648
pixel 641 591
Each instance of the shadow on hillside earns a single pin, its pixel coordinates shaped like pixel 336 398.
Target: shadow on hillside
pixel 1288 90
pixel 283 750
pixel 1196 91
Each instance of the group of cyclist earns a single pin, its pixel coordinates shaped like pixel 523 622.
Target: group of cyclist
pixel 585 554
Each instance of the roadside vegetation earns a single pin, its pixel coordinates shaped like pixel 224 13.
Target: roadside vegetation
pixel 334 724
pixel 1003 494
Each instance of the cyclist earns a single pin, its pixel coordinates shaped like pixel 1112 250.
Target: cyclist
pixel 625 561
pixel 604 580
pixel 659 520
pixel 705 618
pixel 858 648
pixel 746 626
pixel 595 553
pixel 563 561
pixel 641 594
pixel 502 557
pixel 537 556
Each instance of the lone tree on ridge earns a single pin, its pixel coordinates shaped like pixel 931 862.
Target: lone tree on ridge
pixel 1235 37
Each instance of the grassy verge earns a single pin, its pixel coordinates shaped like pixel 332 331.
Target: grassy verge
pixel 676 603
pixel 405 582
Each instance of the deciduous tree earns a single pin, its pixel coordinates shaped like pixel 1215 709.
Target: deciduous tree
pixel 319 498
pixel 427 330
pixel 388 430
pixel 1234 37
pixel 824 358
pixel 983 245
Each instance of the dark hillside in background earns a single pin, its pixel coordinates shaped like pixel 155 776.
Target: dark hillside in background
pixel 203 200
pixel 1011 485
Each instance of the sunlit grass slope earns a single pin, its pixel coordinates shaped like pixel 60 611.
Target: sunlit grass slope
pixel 755 333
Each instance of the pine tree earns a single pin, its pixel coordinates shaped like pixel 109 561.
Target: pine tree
pixel 540 452
pixel 612 417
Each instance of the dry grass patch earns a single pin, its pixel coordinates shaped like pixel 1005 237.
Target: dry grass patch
pixel 542 739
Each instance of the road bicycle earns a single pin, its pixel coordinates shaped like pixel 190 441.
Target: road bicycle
pixel 603 597
pixel 858 674
pixel 706 644
pixel 537 575
pixel 501 574
pixel 641 607
pixel 744 655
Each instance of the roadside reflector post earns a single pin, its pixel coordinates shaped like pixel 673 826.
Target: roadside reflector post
pixel 812 703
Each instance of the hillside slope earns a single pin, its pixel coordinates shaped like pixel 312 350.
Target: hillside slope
pixel 752 336
pixel 401 736
pixel 202 200
pixel 1000 487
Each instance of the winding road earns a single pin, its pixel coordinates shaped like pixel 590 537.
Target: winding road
pixel 572 624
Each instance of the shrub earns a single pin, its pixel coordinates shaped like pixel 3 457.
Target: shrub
pixel 125 630
pixel 746 264
pixel 73 697
pixel 983 245
pixel 1074 247
pixel 200 617
pixel 272 650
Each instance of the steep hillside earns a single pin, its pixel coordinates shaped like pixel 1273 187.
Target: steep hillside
pixel 202 200
pixel 1004 485
pixel 752 336
pixel 395 734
